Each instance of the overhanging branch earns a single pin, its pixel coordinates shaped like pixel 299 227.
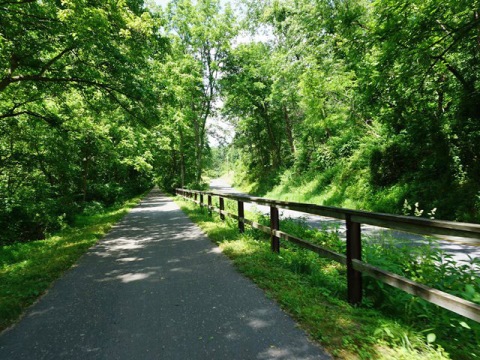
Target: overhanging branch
pixel 51 121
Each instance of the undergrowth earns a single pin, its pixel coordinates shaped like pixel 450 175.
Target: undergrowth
pixel 348 184
pixel 28 269
pixel 389 324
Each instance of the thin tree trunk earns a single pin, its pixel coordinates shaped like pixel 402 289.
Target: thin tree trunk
pixel 85 178
pixel 289 130
pixel 274 144
pixel 182 159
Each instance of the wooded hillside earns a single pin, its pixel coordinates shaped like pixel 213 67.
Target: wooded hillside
pixel 361 104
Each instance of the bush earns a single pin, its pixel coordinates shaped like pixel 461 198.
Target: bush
pixel 390 164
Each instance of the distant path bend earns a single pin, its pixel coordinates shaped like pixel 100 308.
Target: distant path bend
pixel 155 288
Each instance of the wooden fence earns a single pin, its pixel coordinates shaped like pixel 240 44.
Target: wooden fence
pixel 469 234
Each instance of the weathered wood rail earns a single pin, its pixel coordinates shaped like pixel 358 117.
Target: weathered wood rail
pixel 470 234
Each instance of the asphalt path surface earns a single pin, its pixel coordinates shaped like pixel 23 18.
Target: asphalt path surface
pixel 155 288
pixel 460 253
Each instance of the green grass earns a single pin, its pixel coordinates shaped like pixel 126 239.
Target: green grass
pixel 27 270
pixel 313 291
pixel 331 187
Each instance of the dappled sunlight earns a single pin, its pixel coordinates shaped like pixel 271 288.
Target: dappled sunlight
pixel 41 312
pixel 215 250
pixel 181 269
pixel 232 336
pixel 129 259
pixel 92 349
pixel 237 246
pixel 126 278
pixel 132 228
pixel 120 246
pixel 279 353
pixel 152 209
pixel 154 206
pixel 345 321
pixel 156 274
pixel 259 323
pixel 19 266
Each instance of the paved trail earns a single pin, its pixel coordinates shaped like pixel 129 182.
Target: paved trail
pixel 155 288
pixel 460 253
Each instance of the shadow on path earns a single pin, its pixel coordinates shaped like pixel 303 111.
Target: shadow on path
pixel 155 288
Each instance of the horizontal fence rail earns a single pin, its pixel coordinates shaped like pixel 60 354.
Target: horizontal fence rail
pixel 464 233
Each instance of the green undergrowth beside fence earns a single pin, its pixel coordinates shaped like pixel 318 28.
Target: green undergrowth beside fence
pixel 27 270
pixel 389 324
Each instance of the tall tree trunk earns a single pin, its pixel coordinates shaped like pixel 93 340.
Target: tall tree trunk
pixel 275 147
pixel 182 159
pixel 289 130
pixel 198 152
pixel 85 178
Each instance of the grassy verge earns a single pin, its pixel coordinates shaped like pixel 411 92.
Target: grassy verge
pixel 331 188
pixel 28 269
pixel 313 291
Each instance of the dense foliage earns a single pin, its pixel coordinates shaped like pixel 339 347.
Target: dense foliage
pixel 201 35
pixel 367 103
pixel 97 100
pixel 375 102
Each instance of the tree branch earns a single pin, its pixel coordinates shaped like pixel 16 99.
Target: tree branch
pixel 17 2
pixel 40 78
pixel 9 79
pixel 461 33
pixel 467 85
pixel 125 108
pixel 53 60
pixel 51 121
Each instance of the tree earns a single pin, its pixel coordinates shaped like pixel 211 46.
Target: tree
pixel 77 99
pixel 203 33
pixel 247 88
pixel 47 48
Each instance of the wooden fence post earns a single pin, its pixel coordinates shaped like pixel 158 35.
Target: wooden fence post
pixel 241 216
pixel 201 199
pixel 209 203
pixel 354 251
pixel 195 196
pixel 274 225
pixel 222 207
